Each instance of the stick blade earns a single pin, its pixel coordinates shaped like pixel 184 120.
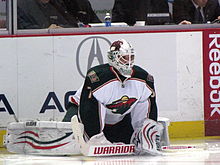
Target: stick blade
pixel 111 150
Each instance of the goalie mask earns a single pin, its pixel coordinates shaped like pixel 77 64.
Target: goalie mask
pixel 121 57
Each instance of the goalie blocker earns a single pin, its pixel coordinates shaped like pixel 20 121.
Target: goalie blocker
pixel 57 138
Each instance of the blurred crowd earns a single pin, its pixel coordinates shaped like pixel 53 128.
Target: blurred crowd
pixel 39 14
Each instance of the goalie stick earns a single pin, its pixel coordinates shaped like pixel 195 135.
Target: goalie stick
pixel 116 149
pixel 183 147
pixel 129 149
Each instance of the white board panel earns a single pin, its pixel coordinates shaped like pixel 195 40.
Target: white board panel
pixel 35 76
pixel 8 81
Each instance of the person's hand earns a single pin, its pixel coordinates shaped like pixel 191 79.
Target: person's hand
pixel 54 26
pixel 216 21
pixel 185 22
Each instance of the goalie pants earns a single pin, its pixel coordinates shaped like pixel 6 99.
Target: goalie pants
pixel 120 132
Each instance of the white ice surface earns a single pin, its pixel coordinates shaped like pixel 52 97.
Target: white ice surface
pixel 209 155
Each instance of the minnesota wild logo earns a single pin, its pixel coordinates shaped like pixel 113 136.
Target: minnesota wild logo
pixel 122 105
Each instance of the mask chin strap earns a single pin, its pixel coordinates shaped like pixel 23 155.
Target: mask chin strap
pixel 125 68
pixel 126 73
pixel 122 82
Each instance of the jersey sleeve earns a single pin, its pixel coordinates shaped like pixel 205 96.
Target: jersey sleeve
pixel 91 111
pixel 146 107
pixel 153 111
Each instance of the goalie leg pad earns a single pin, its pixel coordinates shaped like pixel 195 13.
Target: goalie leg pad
pixel 41 137
pixel 147 138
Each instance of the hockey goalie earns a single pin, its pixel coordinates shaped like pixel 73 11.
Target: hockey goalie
pixel 115 110
pixel 117 105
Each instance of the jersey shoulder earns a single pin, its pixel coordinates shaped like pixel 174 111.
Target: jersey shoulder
pixel 142 74
pixel 100 74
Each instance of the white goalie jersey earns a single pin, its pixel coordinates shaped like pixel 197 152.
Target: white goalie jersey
pixel 107 97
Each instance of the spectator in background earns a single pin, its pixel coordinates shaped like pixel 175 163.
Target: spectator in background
pixel 82 9
pixel 3 14
pixel 130 11
pixel 195 11
pixel 39 14
pixel 124 11
pixel 2 23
